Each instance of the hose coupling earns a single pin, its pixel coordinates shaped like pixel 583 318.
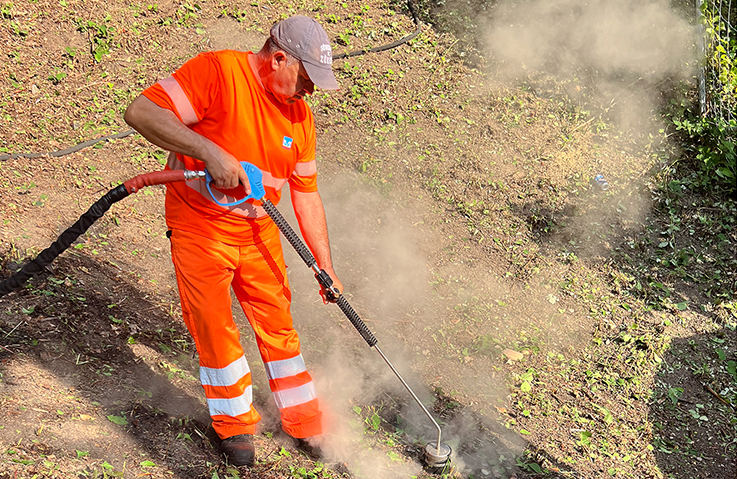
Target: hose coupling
pixel 194 174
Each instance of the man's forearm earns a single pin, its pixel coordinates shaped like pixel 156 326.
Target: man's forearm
pixel 310 214
pixel 162 128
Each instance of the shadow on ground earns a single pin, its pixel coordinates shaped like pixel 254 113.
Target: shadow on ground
pixel 92 364
pixel 694 412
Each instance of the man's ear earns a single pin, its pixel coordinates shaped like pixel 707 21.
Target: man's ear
pixel 278 60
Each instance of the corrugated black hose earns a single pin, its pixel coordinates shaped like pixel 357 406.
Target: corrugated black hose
pixel 65 240
pixel 84 222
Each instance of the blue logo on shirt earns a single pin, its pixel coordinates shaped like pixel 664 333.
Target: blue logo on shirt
pixel 287 143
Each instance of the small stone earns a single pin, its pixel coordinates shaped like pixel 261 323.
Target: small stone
pixel 513 355
pixel 34 89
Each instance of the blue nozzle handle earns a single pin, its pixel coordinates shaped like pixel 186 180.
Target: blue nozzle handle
pixel 255 178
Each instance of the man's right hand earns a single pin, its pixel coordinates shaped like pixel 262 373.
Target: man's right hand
pixel 225 170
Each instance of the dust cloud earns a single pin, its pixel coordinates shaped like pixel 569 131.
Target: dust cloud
pixel 618 60
pixel 385 281
pixel 616 51
pixel 376 254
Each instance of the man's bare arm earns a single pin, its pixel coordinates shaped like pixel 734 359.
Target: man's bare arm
pixel 310 214
pixel 162 128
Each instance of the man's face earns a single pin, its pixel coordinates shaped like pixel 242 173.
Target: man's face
pixel 289 83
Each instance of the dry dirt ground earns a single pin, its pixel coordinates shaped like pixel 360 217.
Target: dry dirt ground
pixel 553 328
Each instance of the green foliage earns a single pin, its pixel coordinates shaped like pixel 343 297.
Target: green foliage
pixel 722 56
pixel 101 36
pixel 6 10
pixel 57 77
pixel 712 143
pixel 711 139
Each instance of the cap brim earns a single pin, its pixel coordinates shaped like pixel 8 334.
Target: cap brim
pixel 323 78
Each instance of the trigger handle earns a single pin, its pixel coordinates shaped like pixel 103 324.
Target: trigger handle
pixel 255 180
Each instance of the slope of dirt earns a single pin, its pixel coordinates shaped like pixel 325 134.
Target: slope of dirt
pixel 533 312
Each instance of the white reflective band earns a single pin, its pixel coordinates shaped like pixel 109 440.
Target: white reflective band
pixel 306 169
pixel 295 396
pixel 276 183
pixel 285 368
pixel 233 406
pixel 244 209
pixel 172 88
pixel 227 376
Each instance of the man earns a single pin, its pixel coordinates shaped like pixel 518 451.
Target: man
pixel 218 109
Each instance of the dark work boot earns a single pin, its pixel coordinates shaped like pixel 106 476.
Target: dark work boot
pixel 239 449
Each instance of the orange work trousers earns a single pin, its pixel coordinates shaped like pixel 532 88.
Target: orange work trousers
pixel 206 270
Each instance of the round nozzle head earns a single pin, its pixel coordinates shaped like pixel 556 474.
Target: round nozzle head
pixel 435 457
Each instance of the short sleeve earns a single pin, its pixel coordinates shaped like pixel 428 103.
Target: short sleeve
pixel 304 178
pixel 190 91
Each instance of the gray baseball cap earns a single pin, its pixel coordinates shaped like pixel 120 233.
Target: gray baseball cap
pixel 304 38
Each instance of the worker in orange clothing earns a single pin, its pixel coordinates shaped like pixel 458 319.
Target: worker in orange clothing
pixel 218 109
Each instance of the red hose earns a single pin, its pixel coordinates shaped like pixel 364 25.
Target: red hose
pixel 154 178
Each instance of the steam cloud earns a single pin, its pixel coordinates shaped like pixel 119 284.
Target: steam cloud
pixel 610 38
pixel 616 49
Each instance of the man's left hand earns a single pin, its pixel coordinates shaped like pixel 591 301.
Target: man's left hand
pixel 336 284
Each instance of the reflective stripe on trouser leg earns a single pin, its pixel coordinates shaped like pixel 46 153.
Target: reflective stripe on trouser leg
pixel 261 285
pixel 204 274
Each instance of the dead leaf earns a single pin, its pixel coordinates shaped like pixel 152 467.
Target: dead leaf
pixel 513 355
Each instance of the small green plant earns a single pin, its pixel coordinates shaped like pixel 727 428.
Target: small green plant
pixel 18 29
pixel 345 38
pixel 57 77
pixel 101 37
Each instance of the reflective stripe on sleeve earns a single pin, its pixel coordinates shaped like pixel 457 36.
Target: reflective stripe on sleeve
pixel 231 407
pixel 226 376
pixel 306 169
pixel 285 368
pixel 295 396
pixel 276 183
pixel 172 88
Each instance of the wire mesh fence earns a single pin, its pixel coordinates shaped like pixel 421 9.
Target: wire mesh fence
pixel 718 82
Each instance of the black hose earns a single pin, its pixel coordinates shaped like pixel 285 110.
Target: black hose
pixel 388 46
pixel 69 150
pixel 64 241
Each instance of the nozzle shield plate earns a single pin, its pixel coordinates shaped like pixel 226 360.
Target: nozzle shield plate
pixel 435 459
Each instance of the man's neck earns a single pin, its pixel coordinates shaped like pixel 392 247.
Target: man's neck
pixel 256 63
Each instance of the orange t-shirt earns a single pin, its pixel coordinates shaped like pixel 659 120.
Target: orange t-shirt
pixel 217 95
